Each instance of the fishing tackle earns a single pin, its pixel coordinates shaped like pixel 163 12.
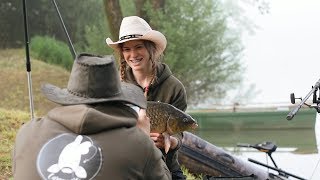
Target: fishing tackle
pixel 313 91
pixel 28 64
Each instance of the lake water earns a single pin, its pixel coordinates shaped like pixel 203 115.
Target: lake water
pixel 296 148
pixel 296 151
pixel 303 165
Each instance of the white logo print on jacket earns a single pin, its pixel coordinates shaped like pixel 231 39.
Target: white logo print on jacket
pixel 69 157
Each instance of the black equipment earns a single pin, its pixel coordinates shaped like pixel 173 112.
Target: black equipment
pixel 28 64
pixel 316 101
pixel 268 148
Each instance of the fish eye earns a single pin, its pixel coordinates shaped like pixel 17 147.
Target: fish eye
pixel 185 120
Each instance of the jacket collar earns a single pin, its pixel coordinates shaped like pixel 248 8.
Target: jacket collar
pixel 163 72
pixel 87 119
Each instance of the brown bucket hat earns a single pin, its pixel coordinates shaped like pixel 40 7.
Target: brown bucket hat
pixel 94 79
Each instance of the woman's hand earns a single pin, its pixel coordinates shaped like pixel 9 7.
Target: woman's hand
pixel 159 141
pixel 143 121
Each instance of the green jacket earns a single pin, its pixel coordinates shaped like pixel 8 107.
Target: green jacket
pixel 167 88
pixel 87 142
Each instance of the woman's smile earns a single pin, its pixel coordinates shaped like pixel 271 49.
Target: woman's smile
pixel 136 61
pixel 136 54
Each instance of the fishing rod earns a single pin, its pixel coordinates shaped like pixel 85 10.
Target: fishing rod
pixel 73 52
pixel 282 172
pixel 268 148
pixel 303 101
pixel 28 64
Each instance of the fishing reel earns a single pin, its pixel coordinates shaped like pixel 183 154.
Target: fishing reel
pixel 315 100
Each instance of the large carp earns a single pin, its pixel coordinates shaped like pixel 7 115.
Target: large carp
pixel 168 120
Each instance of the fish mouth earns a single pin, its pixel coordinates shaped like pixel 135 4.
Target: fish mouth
pixel 194 126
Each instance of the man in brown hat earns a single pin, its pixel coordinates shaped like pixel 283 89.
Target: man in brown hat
pixel 100 132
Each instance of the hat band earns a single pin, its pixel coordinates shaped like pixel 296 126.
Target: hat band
pixel 130 36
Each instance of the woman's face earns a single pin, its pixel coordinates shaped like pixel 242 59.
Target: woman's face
pixel 136 55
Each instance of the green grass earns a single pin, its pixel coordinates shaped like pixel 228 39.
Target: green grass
pixel 10 122
pixel 51 51
pixel 14 81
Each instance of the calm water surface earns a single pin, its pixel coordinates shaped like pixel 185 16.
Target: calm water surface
pixel 296 148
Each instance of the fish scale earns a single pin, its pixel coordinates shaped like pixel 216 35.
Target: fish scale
pixel 166 118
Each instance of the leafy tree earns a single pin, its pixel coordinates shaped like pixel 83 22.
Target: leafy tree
pixel 43 20
pixel 11 20
pixel 202 51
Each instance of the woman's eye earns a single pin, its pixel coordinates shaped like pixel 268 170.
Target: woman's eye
pixel 139 47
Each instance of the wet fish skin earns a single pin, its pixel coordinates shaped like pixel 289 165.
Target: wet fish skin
pixel 166 118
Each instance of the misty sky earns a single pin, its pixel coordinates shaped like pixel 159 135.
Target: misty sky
pixel 283 56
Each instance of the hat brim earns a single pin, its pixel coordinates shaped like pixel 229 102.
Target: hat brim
pixel 130 94
pixel 155 36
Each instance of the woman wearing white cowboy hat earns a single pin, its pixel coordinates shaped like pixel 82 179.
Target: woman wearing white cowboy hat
pixel 140 51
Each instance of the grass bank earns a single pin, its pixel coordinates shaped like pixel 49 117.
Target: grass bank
pixel 10 122
pixel 14 82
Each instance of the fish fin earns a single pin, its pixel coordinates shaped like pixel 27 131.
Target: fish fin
pixel 168 129
pixel 167 143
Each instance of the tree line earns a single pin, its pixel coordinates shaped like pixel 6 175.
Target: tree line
pixel 203 51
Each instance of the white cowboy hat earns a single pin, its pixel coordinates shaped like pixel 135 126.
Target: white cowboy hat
pixel 136 28
pixel 94 79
